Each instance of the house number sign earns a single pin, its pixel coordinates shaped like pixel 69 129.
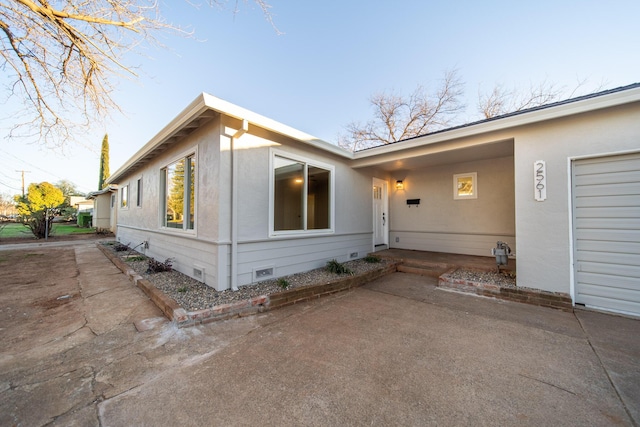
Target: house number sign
pixel 540 180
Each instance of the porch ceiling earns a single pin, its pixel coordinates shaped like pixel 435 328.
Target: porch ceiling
pixel 440 155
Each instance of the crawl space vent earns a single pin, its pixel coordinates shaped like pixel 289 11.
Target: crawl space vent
pixel 198 273
pixel 262 273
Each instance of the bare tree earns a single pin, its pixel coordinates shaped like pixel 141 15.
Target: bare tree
pixel 61 58
pixel 397 117
pixel 502 101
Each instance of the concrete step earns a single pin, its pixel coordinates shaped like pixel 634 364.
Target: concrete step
pixel 423 269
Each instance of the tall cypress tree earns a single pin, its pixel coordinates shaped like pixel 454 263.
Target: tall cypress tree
pixel 104 162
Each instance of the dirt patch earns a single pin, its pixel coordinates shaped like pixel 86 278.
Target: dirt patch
pixel 56 302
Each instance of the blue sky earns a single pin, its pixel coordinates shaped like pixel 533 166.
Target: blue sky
pixel 332 56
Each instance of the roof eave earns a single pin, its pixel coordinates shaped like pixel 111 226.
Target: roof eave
pixel 536 116
pixel 206 102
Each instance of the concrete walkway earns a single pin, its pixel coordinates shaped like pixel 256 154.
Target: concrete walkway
pixel 397 351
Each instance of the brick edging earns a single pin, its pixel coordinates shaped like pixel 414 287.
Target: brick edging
pixel 558 300
pixel 258 304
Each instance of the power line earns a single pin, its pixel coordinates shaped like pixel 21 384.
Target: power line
pixel 82 187
pixel 8 186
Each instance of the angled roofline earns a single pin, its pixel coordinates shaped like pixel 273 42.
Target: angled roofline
pixel 107 189
pixel 592 102
pixel 188 119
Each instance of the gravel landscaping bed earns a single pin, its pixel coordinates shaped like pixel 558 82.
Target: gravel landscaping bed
pixel 504 279
pixel 193 295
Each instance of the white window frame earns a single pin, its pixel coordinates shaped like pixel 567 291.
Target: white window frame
pixel 124 204
pixel 162 211
pixel 332 196
pixel 139 191
pixel 474 183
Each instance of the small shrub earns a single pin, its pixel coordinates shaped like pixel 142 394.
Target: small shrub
pixel 372 259
pixel 182 289
pixel 119 247
pixel 135 258
pixel 283 283
pixel 336 267
pixel 159 267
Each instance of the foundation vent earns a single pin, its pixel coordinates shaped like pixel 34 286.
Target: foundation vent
pixel 353 255
pixel 198 273
pixel 263 273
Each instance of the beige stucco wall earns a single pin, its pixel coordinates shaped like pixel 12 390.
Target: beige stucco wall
pixel 102 211
pixel 189 249
pixel 543 229
pixel 208 247
pixel 444 224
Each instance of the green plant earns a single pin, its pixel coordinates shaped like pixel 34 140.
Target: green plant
pixel 336 267
pixel 38 207
pixel 182 289
pixel 372 259
pixel 134 258
pixel 283 283
pixel 159 267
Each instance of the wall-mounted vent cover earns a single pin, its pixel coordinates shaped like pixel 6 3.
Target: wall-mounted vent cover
pixel 263 273
pixel 198 273
pixel 353 255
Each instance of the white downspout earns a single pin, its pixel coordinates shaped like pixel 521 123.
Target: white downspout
pixel 234 204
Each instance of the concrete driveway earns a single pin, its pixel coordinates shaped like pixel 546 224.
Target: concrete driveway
pixel 81 346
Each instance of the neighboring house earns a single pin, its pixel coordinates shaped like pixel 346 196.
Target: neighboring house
pixel 80 203
pixel 105 212
pixel 234 197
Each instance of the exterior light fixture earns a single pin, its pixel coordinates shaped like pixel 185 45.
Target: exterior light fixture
pixel 298 180
pixel 399 185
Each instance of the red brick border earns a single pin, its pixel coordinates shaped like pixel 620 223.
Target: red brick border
pixel 558 300
pixel 259 304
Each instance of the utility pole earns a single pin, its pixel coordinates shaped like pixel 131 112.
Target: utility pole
pixel 23 171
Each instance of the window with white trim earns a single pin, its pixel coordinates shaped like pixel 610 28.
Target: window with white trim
pixel 178 194
pixel 139 192
pixel 124 196
pixel 302 195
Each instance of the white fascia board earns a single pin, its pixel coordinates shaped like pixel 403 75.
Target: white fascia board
pixel 206 102
pixel 544 114
pixel 256 119
pixel 192 111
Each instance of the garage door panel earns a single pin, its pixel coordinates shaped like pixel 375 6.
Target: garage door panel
pixel 609 269
pixel 613 189
pixel 611 292
pixel 610 178
pixel 620 306
pixel 613 247
pixel 607 282
pixel 606 230
pixel 606 212
pixel 607 165
pixel 608 235
pixel 610 258
pixel 609 223
pixel 607 201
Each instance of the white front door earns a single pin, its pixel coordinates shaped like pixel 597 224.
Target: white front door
pixel 380 214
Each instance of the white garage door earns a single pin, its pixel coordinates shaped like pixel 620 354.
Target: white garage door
pixel 606 220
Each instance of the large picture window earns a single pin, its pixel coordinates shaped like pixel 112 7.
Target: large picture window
pixel 178 185
pixel 302 195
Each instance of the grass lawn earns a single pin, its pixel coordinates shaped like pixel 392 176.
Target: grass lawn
pixel 12 230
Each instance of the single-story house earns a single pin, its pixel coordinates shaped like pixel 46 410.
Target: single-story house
pixel 105 212
pixel 80 203
pixel 235 198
